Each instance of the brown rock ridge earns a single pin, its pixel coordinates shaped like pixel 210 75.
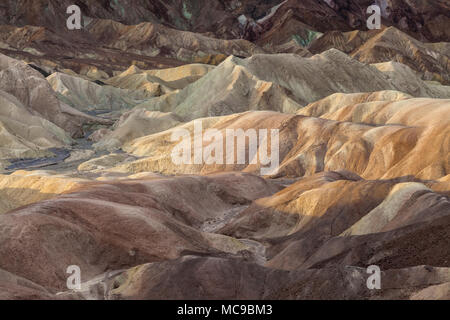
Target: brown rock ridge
pixel 218 18
pixel 111 46
pixel 17 288
pixel 390 44
pixel 425 20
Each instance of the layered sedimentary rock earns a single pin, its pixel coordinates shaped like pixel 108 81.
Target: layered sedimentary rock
pixel 282 82
pixel 369 134
pixel 224 150
pixel 248 18
pixel 216 17
pixel 154 39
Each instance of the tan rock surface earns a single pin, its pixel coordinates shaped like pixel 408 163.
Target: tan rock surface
pixel 22 188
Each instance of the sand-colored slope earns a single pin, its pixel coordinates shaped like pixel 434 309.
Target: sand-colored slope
pixel 338 101
pixel 159 81
pixel 380 108
pixel 180 77
pixel 389 44
pixel 425 136
pixel 207 96
pixel 310 79
pixel 270 81
pixel 376 139
pixel 22 188
pixel 85 95
pixel 135 79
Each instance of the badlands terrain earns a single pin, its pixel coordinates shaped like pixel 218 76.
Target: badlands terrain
pixel 88 177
